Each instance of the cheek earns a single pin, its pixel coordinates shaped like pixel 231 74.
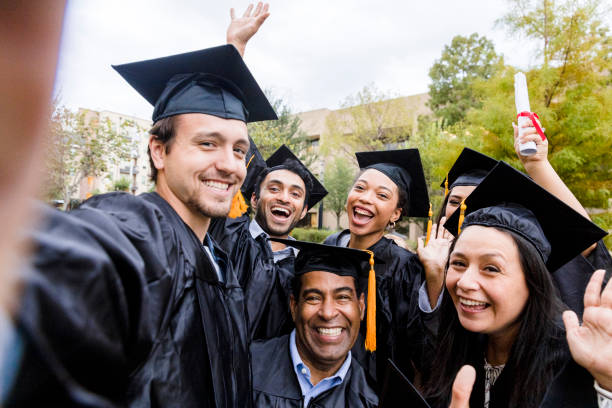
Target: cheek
pixel 452 277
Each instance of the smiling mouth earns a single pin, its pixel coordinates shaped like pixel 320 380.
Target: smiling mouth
pixel 281 212
pixel 361 215
pixel 473 305
pixel 329 331
pixel 217 185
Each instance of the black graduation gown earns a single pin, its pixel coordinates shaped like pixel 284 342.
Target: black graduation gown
pixel 266 284
pixel 124 308
pixel 399 322
pixel 275 383
pixel 572 278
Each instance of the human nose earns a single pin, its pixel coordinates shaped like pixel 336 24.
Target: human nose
pixel 328 310
pixel 468 280
pixel 228 163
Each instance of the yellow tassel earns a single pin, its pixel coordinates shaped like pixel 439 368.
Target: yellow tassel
pixel 238 207
pixel 429 224
pixel 461 216
pixel 446 185
pixel 370 341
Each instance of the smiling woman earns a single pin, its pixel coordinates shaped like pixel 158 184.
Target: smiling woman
pixel 391 185
pixel 502 313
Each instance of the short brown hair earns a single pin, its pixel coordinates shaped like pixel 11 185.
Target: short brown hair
pixel 163 131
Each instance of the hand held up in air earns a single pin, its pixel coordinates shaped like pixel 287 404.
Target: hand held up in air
pixel 433 256
pixel 462 387
pixel 241 29
pixel 591 342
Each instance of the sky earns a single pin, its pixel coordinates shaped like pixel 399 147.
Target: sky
pixel 314 54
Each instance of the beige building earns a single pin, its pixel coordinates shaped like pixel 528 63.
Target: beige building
pixel 135 170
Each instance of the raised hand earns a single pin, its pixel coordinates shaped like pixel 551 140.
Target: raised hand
pixel 530 135
pixel 462 387
pixel 591 342
pixel 433 256
pixel 241 29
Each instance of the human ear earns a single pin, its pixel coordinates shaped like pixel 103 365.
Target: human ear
pixel 158 152
pixel 253 200
pixel 304 211
pixel 361 306
pixel 395 215
pixel 292 307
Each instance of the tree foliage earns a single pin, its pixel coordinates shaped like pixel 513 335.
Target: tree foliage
pixel 571 92
pixel 338 178
pixel 462 62
pixel 370 120
pixel 271 134
pixel 79 146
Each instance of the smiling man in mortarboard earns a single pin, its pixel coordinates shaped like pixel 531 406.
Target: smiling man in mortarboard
pixel 130 302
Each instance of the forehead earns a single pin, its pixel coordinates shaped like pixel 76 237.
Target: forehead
pixel 478 240
pixel 232 130
pixel 462 191
pixel 377 178
pixel 326 281
pixel 285 177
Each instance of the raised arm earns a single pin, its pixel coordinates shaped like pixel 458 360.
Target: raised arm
pixel 540 170
pixel 241 29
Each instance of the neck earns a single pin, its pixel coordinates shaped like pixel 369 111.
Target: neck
pixel 318 370
pixel 277 246
pixel 194 219
pixel 365 241
pixel 499 346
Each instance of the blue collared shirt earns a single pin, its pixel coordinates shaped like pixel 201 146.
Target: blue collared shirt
pixel 302 372
pixel 256 230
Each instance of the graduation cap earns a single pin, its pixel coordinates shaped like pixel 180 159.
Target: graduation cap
pixel 254 165
pixel 404 168
pixel 214 81
pixel 341 261
pixel 510 200
pixel 398 391
pixel 470 168
pixel 316 191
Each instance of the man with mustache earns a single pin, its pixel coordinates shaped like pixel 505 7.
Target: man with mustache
pixel 129 301
pixel 281 194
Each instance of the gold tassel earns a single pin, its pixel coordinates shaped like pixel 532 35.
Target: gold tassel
pixel 446 186
pixel 370 341
pixel 429 223
pixel 461 216
pixel 239 205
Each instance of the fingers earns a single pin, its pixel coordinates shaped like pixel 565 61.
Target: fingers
pixel 257 9
pixel 515 128
pixel 247 12
pixel 593 289
pixel 420 243
pixel 442 232
pixel 462 387
pixel 606 295
pixel 570 319
pixel 232 14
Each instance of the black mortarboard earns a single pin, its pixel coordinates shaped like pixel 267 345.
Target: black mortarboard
pixel 470 168
pixel 277 162
pixel 510 200
pixel 405 169
pixel 214 81
pixel 341 261
pixel 398 391
pixel 255 164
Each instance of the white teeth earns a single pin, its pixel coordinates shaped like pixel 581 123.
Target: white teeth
pixel 469 302
pixel 217 185
pixel 330 332
pixel 363 212
pixel 283 210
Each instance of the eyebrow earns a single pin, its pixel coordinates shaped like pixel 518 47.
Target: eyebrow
pixel 383 187
pixel 216 135
pixel 275 181
pixel 310 291
pixel 344 289
pixel 487 254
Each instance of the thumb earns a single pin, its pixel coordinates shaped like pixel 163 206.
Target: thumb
pixel 462 387
pixel 420 243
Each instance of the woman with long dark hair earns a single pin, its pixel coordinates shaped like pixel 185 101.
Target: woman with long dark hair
pixel 501 312
pixel 391 185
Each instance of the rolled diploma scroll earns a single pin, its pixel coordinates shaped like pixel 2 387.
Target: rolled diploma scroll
pixel 521 99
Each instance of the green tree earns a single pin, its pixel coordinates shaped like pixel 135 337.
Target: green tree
pixel 123 184
pixel 369 120
pixel 338 178
pixel 81 145
pixel 571 91
pixel 452 76
pixel 271 134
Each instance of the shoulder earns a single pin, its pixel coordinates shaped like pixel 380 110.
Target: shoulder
pixel 261 350
pixel 358 384
pixel 335 238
